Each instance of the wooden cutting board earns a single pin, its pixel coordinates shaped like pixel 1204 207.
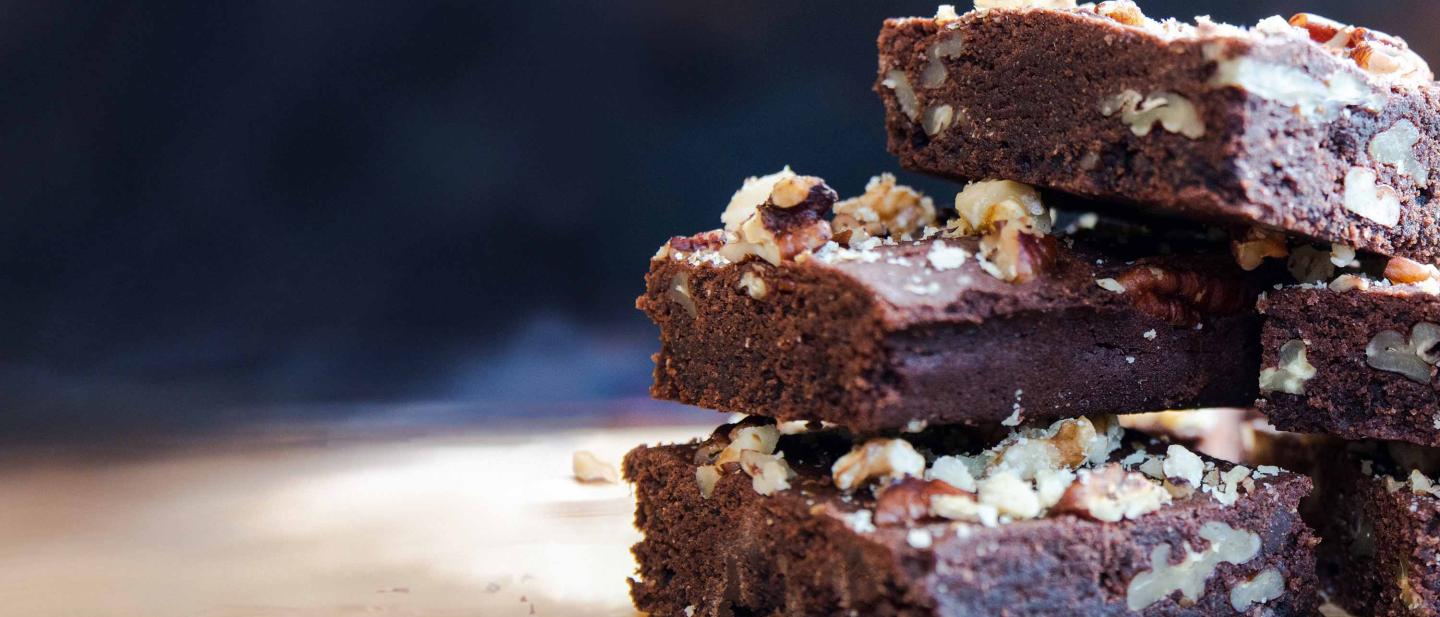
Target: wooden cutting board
pixel 425 526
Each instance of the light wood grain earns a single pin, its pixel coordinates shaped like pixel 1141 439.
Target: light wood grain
pixel 457 525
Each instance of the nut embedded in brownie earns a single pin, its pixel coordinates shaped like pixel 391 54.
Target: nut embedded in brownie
pixel 988 317
pixel 1078 517
pixel 1356 361
pixel 1308 126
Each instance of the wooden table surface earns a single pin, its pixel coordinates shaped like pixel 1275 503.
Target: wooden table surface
pixel 451 524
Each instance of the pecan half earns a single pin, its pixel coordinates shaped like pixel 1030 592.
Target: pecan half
pixel 1180 297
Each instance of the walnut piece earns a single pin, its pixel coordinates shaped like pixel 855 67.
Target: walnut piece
pixel 955 471
pixel 899 82
pixel 881 458
pixel 679 292
pixel 1012 224
pixel 788 223
pixel 884 209
pixel 1226 545
pixel 768 473
pixel 1174 112
pixel 1067 443
pixel 754 285
pixel 1395 146
pixel 1367 198
pixel 908 500
pixel 1182 464
pixel 1291 372
pixel 1180 297
pixel 949 46
pixel 1268 585
pixel 1414 357
pixel 707 476
pixel 589 468
pixel 937 118
pixel 984 5
pixel 1256 245
pixel 1123 11
pixel 1009 495
pixel 1111 494
pixel 753 192
pixel 1376 52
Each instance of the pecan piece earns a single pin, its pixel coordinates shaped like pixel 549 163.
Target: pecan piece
pixel 1180 297
pixel 1111 494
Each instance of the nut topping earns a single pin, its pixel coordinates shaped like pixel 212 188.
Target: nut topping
pixel 908 500
pixel 884 209
pixel 878 458
pixel 1375 52
pixel 1111 494
pixel 1012 224
pixel 1257 244
pixel 1180 297
pixel 788 223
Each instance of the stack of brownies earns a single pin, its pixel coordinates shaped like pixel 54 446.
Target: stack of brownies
pixel 1153 214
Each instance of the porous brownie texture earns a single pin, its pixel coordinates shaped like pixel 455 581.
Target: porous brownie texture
pixel 813 550
pixel 883 338
pixel 1257 127
pixel 1348 393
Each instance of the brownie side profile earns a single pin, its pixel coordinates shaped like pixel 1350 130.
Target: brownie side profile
pixel 1359 363
pixel 885 337
pixel 811 549
pixel 1263 126
pixel 1377 515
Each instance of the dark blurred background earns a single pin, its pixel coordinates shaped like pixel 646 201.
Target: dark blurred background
pixel 253 211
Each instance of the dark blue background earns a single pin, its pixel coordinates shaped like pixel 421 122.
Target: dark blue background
pixel 213 212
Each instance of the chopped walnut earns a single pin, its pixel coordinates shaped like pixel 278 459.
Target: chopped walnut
pixel 1395 146
pixel 878 458
pixel 884 209
pixel 1414 357
pixel 1174 112
pixel 1256 245
pixel 908 500
pixel 754 285
pixel 1112 494
pixel 964 508
pixel 1012 224
pixel 934 74
pixel 1290 373
pixel 1376 52
pixel 1009 495
pixel 898 81
pixel 768 473
pixel 788 223
pixel 1184 465
pixel 1180 297
pixel 955 471
pixel 753 192
pixel 707 476
pixel 762 439
pixel 1067 443
pixel 1123 11
pixel 589 468
pixel 1365 196
pixel 1226 545
pixel 679 292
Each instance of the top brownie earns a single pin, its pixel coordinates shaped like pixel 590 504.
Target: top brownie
pixel 1308 126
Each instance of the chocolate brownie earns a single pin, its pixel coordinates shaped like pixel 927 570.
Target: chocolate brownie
pixel 1311 127
pixel 1377 508
pixel 1357 363
pixel 907 331
pixel 1078 518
